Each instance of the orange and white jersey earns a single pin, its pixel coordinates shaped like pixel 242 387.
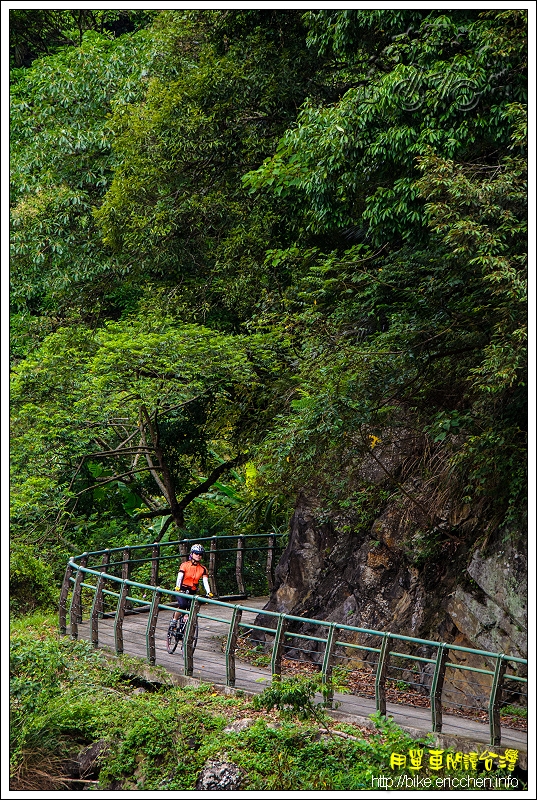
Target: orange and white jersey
pixel 191 576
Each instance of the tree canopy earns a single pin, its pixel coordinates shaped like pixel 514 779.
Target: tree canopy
pixel 265 244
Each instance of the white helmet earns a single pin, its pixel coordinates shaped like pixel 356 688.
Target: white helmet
pixel 197 548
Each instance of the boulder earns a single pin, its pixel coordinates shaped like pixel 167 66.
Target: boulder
pixel 87 763
pixel 239 725
pixel 90 758
pixel 219 776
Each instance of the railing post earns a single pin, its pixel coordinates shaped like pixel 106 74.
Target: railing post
pixel 270 558
pixel 104 568
pixel 97 608
pixel 63 598
pixel 437 685
pixel 212 566
pixel 75 610
pixel 188 646
pixel 328 660
pixel 120 615
pixel 380 680
pixel 239 564
pixel 231 646
pixel 126 567
pixel 151 627
pixel 277 650
pixel 495 700
pixel 155 557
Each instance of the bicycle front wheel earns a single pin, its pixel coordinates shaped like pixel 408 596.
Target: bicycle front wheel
pixel 172 640
pixel 194 641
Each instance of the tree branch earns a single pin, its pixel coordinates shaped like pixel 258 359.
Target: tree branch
pixel 157 512
pixel 168 376
pixel 112 479
pixel 164 528
pixel 213 477
pixel 201 488
pixel 167 482
pixel 154 473
pixel 116 453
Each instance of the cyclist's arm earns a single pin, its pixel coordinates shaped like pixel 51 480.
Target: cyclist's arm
pixel 206 585
pixel 179 581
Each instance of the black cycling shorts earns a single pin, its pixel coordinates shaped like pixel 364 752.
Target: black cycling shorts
pixel 184 603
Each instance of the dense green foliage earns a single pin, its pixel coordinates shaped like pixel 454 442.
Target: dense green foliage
pixel 31 580
pixel 252 251
pixel 38 32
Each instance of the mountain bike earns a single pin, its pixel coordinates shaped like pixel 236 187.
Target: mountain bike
pixel 176 635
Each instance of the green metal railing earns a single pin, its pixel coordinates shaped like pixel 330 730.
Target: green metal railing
pixel 218 549
pixel 102 584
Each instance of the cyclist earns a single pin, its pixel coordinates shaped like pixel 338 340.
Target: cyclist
pixel 189 575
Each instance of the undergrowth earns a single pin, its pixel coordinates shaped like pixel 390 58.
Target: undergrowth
pixel 65 696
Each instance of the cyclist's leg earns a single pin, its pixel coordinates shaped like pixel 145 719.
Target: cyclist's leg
pixel 177 624
pixel 185 607
pixel 172 638
pixel 178 616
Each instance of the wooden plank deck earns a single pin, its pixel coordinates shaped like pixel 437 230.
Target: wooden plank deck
pixel 209 667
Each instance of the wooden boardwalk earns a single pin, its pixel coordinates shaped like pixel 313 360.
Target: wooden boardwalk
pixel 210 667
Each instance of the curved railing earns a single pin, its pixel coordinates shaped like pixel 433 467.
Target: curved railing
pixel 218 549
pixel 334 647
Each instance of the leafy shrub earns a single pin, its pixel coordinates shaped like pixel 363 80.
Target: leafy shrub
pixel 293 697
pixel 31 581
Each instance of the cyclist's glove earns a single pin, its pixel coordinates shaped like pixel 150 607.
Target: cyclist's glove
pixel 210 594
pixel 177 589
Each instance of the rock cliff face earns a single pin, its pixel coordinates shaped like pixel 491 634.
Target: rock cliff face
pixel 456 592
